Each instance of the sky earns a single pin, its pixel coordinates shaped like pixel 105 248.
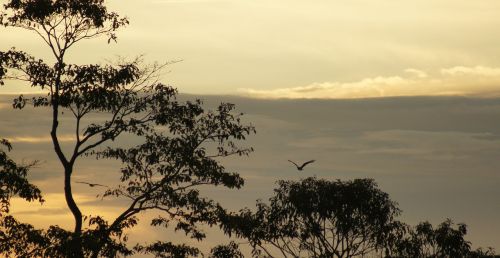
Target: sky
pixel 405 92
pixel 295 48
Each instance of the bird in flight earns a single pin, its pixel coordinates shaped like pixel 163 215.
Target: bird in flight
pixel 91 184
pixel 300 168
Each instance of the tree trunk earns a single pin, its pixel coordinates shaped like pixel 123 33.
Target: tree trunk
pixel 76 242
pixel 71 202
pixel 76 245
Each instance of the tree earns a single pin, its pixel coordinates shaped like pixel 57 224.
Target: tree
pixel 317 218
pixel 180 141
pixel 426 241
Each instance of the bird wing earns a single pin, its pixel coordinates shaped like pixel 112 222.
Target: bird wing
pixel 310 161
pixel 294 163
pixel 90 184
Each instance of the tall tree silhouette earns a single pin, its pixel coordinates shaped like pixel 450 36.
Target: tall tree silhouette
pixel 161 173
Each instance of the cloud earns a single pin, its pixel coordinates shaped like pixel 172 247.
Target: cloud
pixel 45 211
pixel 40 139
pixel 442 145
pixel 447 145
pixel 416 73
pixel 370 87
pixel 459 80
pixel 475 71
pixel 415 147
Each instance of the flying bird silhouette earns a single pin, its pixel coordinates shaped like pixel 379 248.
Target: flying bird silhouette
pixel 91 184
pixel 300 168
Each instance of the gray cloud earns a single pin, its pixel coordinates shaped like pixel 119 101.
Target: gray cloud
pixel 436 156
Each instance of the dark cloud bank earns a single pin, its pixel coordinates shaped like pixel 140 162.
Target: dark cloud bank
pixel 438 157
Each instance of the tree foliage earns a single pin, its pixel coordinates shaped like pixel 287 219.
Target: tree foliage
pixel 318 218
pixel 424 240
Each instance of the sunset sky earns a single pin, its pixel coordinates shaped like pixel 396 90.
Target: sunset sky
pixel 405 92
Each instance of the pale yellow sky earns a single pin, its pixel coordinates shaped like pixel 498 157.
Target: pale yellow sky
pixel 332 48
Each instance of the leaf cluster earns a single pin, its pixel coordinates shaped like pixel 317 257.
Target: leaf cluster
pixel 13 180
pixel 230 250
